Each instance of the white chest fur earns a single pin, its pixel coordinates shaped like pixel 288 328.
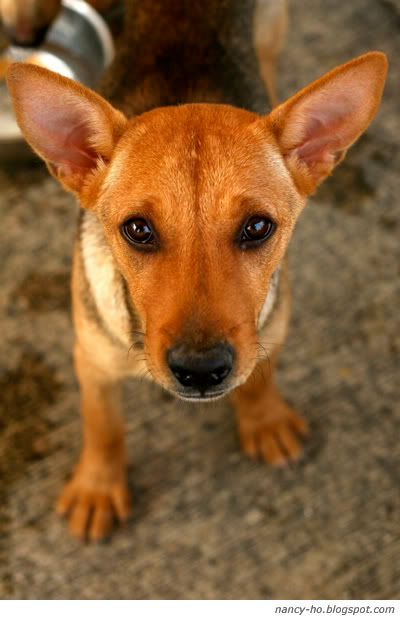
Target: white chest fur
pixel 270 299
pixel 104 280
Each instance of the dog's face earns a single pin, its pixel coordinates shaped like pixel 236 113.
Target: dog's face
pixel 198 203
pixel 198 209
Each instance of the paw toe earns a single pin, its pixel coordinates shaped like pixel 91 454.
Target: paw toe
pixel 79 518
pixel 271 450
pixel 66 500
pixel 289 442
pixel 299 425
pixel 122 503
pixel 101 519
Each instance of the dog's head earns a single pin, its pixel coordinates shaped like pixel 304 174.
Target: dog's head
pixel 197 202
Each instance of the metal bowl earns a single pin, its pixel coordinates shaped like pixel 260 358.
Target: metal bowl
pixel 78 45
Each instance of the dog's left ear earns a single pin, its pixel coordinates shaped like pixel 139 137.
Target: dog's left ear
pixel 315 128
pixel 69 126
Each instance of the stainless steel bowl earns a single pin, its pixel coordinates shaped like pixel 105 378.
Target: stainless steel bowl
pixel 78 45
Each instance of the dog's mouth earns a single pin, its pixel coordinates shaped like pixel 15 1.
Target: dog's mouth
pixel 201 396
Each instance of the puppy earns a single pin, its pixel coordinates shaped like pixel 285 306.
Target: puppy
pixel 26 21
pixel 189 195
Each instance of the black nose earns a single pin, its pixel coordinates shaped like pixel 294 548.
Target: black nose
pixel 201 370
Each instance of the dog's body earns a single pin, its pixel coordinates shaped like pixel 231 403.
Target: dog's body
pixel 179 268
pixel 213 51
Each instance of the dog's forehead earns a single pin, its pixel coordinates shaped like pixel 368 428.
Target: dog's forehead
pixel 194 153
pixel 179 133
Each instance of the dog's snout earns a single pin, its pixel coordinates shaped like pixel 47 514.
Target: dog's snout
pixel 202 370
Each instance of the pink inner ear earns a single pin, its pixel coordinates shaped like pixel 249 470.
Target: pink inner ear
pixel 61 134
pixel 81 155
pixel 324 130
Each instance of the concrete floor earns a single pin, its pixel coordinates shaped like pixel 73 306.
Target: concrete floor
pixel 208 523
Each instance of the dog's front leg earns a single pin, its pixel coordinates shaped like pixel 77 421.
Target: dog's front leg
pixel 268 427
pixel 98 490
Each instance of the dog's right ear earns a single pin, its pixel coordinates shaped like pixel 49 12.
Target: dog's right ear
pixel 315 128
pixel 69 126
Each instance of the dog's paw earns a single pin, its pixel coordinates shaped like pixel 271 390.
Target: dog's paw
pixel 275 439
pixel 92 502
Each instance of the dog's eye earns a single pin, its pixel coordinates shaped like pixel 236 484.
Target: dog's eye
pixel 255 230
pixel 138 231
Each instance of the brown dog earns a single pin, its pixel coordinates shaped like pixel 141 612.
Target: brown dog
pixel 187 212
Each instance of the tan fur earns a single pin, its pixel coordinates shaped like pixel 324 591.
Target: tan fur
pixel 270 27
pixel 195 171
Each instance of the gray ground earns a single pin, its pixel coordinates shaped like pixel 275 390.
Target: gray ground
pixel 208 523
